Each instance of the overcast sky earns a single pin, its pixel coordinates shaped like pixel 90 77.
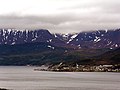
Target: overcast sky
pixel 63 16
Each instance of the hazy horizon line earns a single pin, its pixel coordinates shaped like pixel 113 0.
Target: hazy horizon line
pixel 30 29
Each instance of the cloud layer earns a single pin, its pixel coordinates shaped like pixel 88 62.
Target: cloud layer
pixel 62 16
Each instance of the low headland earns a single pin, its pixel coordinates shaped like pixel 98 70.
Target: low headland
pixel 62 67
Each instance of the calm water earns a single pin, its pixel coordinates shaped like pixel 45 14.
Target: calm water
pixel 25 78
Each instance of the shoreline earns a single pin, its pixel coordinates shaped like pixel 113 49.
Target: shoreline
pixel 4 89
pixel 81 68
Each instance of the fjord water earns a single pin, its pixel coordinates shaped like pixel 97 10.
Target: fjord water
pixel 25 78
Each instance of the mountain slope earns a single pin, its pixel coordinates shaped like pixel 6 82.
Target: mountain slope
pixel 25 48
pixel 111 57
pixel 30 53
pixel 41 53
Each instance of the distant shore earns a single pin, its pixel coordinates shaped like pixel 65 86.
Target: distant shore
pixel 81 68
pixel 3 89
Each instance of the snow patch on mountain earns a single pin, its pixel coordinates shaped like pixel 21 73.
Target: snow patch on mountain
pixel 97 39
pixel 72 37
pixel 51 47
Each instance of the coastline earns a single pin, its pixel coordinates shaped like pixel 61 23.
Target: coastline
pixel 4 89
pixel 80 68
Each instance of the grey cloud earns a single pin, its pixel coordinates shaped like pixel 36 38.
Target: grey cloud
pixel 106 16
pixel 54 19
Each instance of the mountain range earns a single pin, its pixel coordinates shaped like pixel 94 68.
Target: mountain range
pixel 90 39
pixel 37 47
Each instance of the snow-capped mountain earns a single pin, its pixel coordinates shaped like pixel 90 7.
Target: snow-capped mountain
pixel 97 39
pixel 13 36
pixel 94 39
